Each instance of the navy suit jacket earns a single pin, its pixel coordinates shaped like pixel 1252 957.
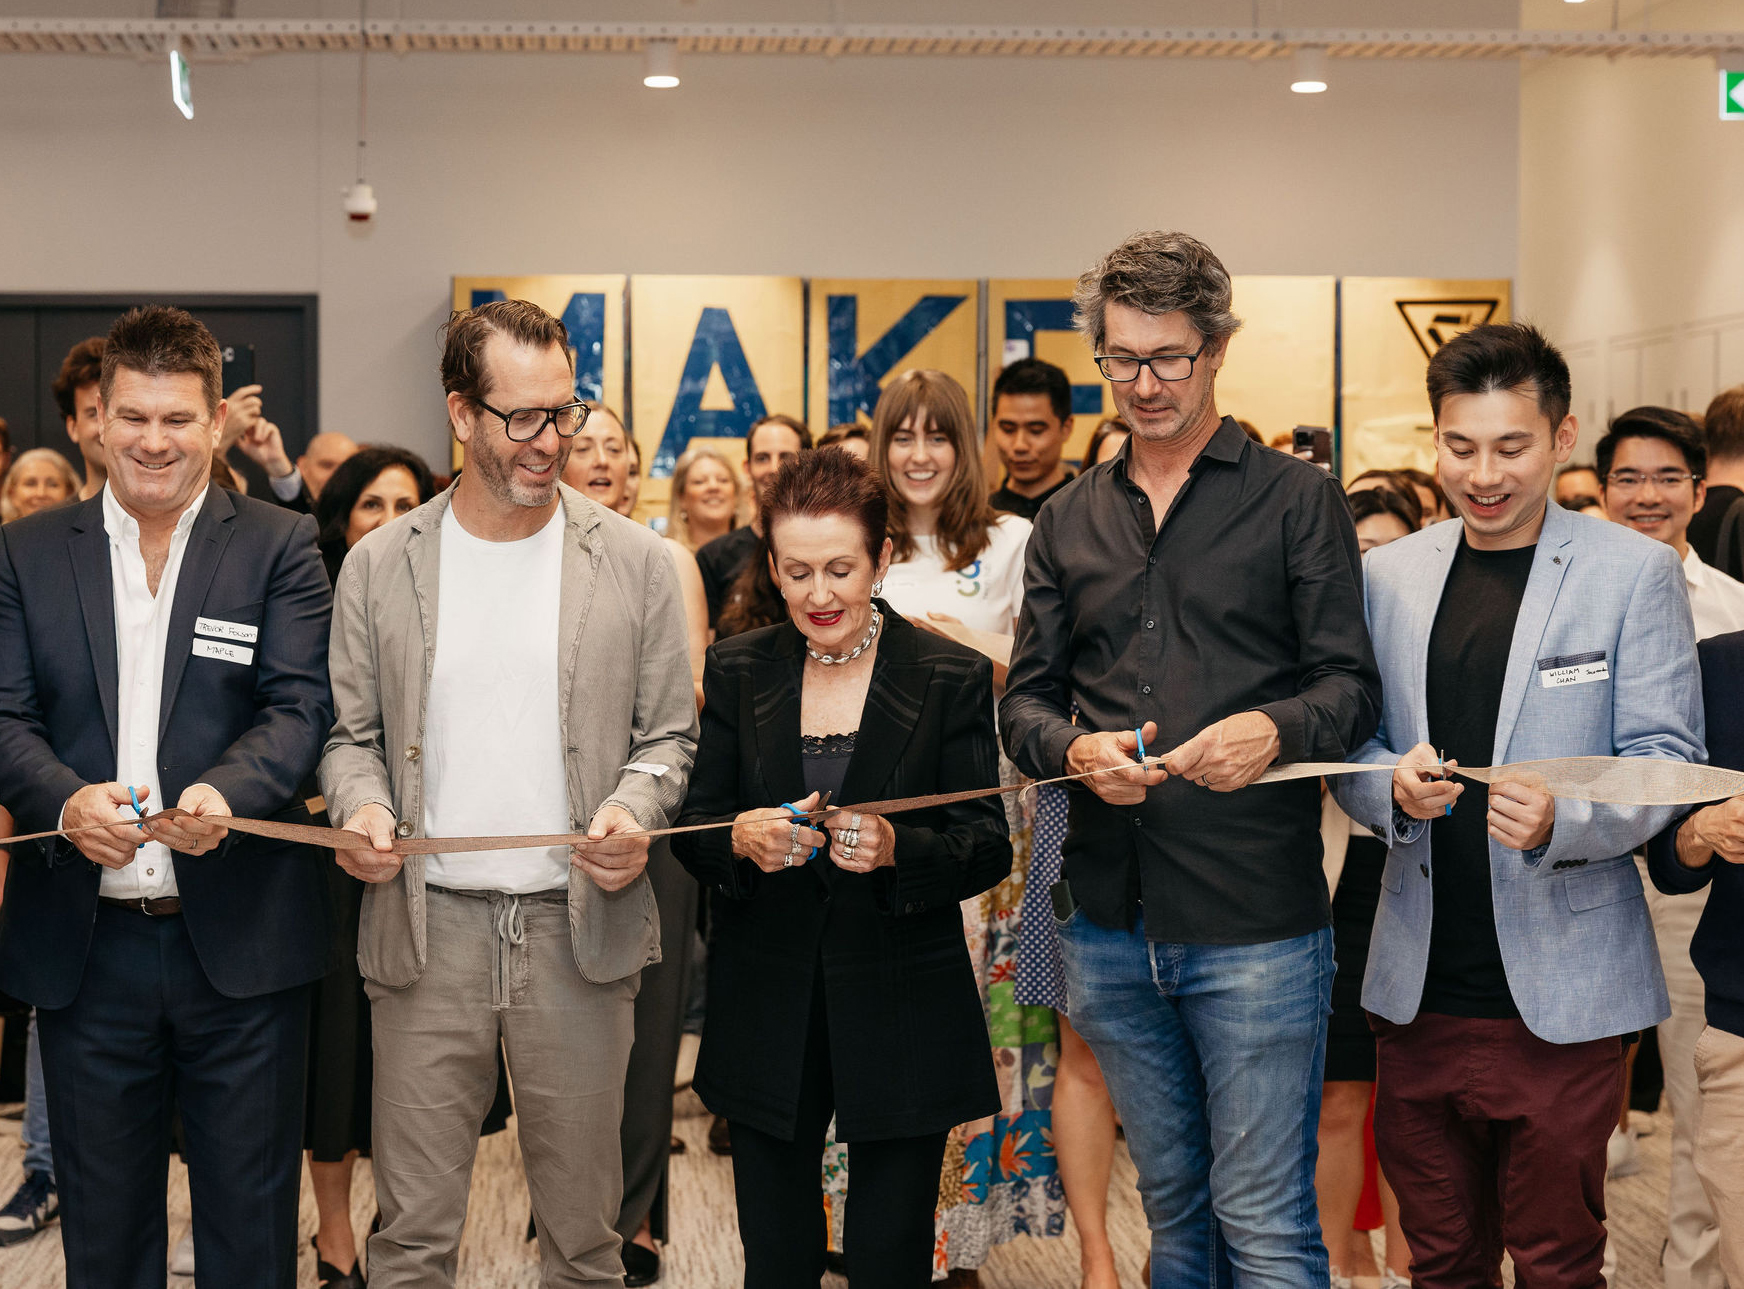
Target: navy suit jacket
pixel 255 909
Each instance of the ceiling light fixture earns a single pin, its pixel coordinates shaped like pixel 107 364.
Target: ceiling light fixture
pixel 181 82
pixel 660 64
pixel 1310 74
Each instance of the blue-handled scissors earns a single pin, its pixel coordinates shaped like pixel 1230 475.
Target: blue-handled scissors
pixel 798 817
pixel 1139 735
pixel 137 809
pixel 1441 761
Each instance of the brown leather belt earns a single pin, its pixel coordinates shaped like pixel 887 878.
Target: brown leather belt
pixel 163 907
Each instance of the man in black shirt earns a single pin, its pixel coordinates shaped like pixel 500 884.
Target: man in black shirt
pixel 1032 419
pixel 1723 428
pixel 1202 593
pixel 1512 950
pixel 769 445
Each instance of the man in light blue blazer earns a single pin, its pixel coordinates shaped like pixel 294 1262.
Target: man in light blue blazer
pixel 1512 956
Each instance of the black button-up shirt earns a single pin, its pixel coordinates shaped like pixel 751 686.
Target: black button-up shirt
pixel 1248 598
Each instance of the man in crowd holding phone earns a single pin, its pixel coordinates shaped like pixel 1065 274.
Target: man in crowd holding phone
pixel 1200 598
pixel 1512 957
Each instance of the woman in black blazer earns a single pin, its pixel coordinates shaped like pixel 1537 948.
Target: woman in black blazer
pixel 839 982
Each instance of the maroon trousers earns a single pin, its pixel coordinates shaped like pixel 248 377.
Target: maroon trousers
pixel 1495 1139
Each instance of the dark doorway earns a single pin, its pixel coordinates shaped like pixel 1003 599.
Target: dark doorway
pixel 36 331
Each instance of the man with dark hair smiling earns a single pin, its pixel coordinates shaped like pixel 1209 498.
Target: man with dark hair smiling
pixel 81 405
pixel 1032 419
pixel 165 643
pixel 1512 955
pixel 1652 464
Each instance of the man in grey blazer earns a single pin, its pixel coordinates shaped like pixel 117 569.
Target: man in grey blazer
pixel 508 659
pixel 1512 955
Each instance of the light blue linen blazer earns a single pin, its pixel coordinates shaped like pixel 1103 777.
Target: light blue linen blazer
pixel 1576 941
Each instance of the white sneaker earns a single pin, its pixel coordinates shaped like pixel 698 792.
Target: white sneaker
pixel 1391 1279
pixel 1621 1157
pixel 182 1258
pixel 1339 1279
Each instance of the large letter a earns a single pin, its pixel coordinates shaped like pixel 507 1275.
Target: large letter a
pixel 716 344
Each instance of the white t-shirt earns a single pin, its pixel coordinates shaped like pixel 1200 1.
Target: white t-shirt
pixel 493 747
pixel 986 595
pixel 1716 601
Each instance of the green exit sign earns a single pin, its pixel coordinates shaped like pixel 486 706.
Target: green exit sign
pixel 1732 96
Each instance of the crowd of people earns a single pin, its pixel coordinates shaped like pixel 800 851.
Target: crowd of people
pixel 925 1024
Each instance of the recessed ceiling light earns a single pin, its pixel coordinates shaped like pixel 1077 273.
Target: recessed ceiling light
pixel 1310 71
pixel 660 64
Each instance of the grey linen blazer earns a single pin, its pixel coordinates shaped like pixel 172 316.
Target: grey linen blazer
pixel 624 697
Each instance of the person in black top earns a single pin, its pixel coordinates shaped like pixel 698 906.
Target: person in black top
pixel 770 444
pixel 1707 845
pixel 839 980
pixel 1202 593
pixel 1032 419
pixel 1468 661
pixel 1723 428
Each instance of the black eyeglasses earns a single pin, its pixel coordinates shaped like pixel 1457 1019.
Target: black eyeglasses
pixel 1122 368
pixel 525 424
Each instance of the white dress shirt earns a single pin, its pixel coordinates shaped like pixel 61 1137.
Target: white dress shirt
pixel 1716 601
pixel 142 625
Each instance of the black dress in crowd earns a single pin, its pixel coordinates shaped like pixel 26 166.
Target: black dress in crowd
pixel 839 992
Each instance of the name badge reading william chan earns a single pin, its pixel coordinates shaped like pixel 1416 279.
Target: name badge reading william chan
pixel 1573 669
pixel 223 652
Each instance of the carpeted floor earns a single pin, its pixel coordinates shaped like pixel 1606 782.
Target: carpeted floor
pixel 704 1252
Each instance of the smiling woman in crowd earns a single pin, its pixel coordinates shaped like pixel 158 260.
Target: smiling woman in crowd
pixel 839 982
pixel 705 498
pixel 38 479
pixel 955 560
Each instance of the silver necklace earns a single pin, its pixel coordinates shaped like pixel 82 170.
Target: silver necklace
pixel 836 660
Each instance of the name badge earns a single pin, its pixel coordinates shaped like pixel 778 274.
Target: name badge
pixel 223 652
pixel 227 630
pixel 1573 669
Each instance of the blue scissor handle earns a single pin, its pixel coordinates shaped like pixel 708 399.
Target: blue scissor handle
pixel 1139 735
pixel 138 810
pixel 799 817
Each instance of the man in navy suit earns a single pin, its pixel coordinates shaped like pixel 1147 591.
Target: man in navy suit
pixel 167 642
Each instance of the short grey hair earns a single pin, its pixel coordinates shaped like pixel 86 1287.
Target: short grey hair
pixel 1157 273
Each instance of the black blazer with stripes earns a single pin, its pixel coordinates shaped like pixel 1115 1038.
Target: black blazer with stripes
pixel 908 1041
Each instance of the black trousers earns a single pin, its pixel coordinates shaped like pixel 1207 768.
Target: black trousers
pixel 148 1031
pixel 893 1188
pixel 646 1133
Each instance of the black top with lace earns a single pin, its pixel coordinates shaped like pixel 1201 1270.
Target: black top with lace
pixel 826 757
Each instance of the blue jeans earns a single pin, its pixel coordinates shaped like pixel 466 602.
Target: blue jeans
pixel 37 1157
pixel 1213 1054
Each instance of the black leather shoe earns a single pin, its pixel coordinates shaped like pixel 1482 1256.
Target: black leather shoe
pixel 641 1266
pixel 331 1277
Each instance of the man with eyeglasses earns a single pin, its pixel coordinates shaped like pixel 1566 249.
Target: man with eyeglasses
pixel 510 659
pixel 1652 469
pixel 1199 597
